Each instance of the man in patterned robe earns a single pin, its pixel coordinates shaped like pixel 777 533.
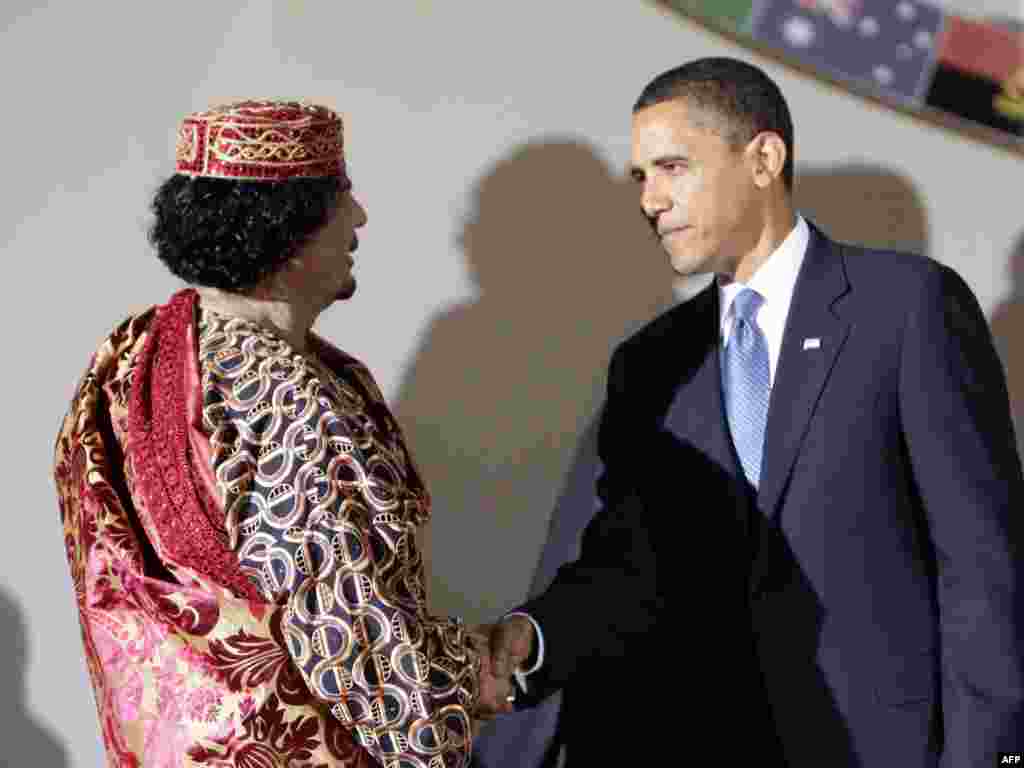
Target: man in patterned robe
pixel 239 508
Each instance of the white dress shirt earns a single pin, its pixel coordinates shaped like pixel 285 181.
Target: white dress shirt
pixel 775 281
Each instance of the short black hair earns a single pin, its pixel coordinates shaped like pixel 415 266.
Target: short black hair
pixel 232 234
pixel 743 97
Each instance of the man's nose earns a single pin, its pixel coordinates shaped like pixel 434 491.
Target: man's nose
pixel 654 200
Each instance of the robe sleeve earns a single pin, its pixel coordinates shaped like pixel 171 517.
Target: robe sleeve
pixel 315 483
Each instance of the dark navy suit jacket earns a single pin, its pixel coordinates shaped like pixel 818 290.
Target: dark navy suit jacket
pixel 866 605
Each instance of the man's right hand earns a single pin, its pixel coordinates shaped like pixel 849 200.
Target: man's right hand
pixel 512 641
pixel 496 693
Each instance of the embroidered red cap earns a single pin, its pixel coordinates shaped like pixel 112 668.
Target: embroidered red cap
pixel 261 140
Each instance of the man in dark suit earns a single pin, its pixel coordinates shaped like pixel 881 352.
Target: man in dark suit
pixel 809 546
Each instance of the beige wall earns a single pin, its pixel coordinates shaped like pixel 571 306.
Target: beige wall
pixel 503 255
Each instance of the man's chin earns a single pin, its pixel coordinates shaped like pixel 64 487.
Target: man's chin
pixel 687 265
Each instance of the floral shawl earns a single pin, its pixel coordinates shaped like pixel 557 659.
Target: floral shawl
pixel 240 526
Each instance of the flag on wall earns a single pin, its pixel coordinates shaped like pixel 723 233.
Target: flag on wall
pixel 883 45
pixel 980 74
pixel 910 52
pixel 734 15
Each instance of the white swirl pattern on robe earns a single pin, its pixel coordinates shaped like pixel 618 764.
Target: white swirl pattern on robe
pixel 322 504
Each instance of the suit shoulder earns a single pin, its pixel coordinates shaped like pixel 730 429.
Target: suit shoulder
pixel 901 273
pixel 658 331
pixel 886 264
pixel 897 285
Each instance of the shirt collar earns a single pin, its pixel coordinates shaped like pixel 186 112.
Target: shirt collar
pixel 775 279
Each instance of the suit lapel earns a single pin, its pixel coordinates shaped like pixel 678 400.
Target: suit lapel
pixel 695 413
pixel 813 338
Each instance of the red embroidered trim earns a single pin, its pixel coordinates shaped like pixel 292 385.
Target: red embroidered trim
pixel 158 425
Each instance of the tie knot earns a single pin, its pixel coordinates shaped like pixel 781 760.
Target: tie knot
pixel 746 304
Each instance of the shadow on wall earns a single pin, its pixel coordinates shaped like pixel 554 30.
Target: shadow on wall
pixel 500 403
pixel 504 385
pixel 864 204
pixel 25 741
pixel 1008 331
pixel 531 737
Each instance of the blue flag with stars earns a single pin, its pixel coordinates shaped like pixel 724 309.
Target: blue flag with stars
pixel 885 46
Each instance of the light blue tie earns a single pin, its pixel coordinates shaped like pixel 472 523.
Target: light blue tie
pixel 745 383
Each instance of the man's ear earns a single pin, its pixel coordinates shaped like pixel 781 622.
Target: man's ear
pixel 767 155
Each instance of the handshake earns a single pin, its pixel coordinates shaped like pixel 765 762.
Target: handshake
pixel 503 649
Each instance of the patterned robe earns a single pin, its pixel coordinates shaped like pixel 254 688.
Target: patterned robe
pixel 240 525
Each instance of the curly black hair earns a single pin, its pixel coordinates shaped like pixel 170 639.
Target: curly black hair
pixel 232 234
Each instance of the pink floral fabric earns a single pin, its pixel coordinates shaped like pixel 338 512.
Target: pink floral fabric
pixel 186 671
